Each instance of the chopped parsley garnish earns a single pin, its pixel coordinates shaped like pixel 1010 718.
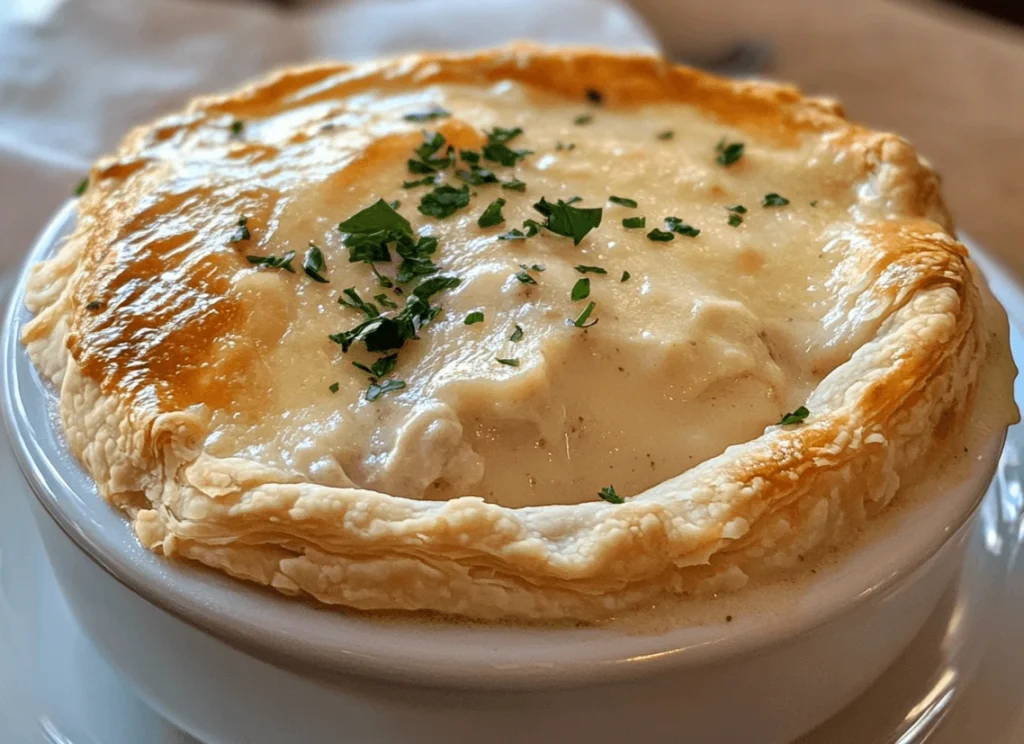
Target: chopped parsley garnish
pixel 735 220
pixel 677 225
pixel 623 201
pixel 476 175
pixel 594 95
pixel 590 269
pixel 415 259
pixel 581 289
pixel 492 215
pixel 313 264
pixel 389 332
pixel 507 362
pixel 421 116
pixel 385 301
pixel 496 149
pixel 334 387
pixel 425 181
pixel 583 119
pixel 660 236
pixel 429 161
pixel 565 146
pixel 582 318
pixel 358 303
pixel 774 200
pixel 738 208
pixel 728 153
pixel 274 262
pixel 796 417
pixel 574 199
pixel 517 334
pixel 532 227
pixel 814 203
pixel 474 317
pixel 444 201
pixel 608 494
pixel 525 278
pixel 242 233
pixel 571 222
pixel 382 366
pixel 625 276
pixel 81 186
pixel 470 156
pixel 376 390
pixel 96 306
pixel 634 222
pixel 237 126
pixel 666 135
pixel 514 234
pixel 377 217
pixel 514 184
pixel 372 230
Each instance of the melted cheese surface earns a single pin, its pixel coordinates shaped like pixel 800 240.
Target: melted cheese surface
pixel 710 340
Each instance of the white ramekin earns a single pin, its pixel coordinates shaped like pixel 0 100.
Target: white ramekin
pixel 231 663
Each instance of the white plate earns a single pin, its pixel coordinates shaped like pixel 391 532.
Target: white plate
pixel 959 681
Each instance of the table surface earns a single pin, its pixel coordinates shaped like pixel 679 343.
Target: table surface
pixel 950 81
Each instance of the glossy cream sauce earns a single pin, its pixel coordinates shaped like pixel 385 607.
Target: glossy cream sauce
pixel 710 340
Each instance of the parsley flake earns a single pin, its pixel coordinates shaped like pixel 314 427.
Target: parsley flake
pixel 814 203
pixel 582 318
pixel 582 119
pixel 492 215
pixel 525 278
pixel 666 135
pixel 608 494
pixel 735 220
pixel 421 116
pixel 507 362
pixel 738 208
pixel 677 225
pixel 566 220
pixel 565 146
pixel 382 366
pixel 429 161
pixel 242 233
pixel 728 153
pixel 237 127
pixel 796 417
pixel 476 175
pixel 625 276
pixel 385 301
pixel 334 387
pixel 774 200
pixel 273 262
pixel 497 151
pixel 474 317
pixel 313 263
pixel 660 236
pixel 581 289
pixel 594 95
pixel 376 390
pixel 623 201
pixel 470 156
pixel 444 201
pixel 514 234
pixel 632 222
pixel 81 186
pixel 517 334
pixel 358 303
pixel 94 306
pixel 514 184
pixel 590 269
pixel 425 181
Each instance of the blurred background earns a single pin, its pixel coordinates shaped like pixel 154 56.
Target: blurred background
pixel 75 74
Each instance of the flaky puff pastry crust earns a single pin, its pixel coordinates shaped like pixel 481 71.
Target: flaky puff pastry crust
pixel 760 505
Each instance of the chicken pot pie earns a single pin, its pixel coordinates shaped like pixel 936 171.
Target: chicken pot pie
pixel 525 333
